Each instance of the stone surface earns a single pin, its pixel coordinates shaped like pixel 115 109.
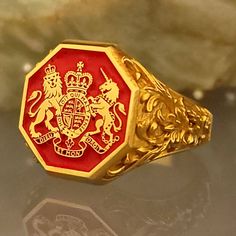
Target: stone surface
pixel 189 44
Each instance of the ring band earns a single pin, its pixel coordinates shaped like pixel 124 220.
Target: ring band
pixel 91 111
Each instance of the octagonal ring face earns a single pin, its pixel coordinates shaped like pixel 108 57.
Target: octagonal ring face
pixel 76 109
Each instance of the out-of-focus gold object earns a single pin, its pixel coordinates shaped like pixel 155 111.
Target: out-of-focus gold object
pixel 84 140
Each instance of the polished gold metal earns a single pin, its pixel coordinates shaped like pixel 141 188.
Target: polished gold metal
pixel 167 122
pixel 160 121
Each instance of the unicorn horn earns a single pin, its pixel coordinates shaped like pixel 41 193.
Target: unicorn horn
pixel 104 74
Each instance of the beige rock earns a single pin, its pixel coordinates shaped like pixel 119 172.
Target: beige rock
pixel 189 44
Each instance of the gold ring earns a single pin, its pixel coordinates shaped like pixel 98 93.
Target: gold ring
pixel 91 111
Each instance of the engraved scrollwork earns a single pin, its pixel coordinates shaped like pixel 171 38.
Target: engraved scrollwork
pixel 167 122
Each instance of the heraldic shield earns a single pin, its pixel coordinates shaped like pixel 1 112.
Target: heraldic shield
pixel 75 113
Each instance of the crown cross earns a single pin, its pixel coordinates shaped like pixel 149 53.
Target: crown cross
pixel 78 81
pixel 80 66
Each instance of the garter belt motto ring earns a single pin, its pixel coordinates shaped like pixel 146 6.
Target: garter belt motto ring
pixel 91 111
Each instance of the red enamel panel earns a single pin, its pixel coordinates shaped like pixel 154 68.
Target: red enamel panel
pixel 93 97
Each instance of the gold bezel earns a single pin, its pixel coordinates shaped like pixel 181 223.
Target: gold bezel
pixel 113 54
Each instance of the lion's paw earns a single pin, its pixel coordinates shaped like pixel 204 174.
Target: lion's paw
pixel 36 135
pixel 54 129
pixel 58 112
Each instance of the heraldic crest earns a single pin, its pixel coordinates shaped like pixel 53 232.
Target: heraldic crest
pixel 73 112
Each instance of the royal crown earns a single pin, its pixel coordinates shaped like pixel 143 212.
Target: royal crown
pixel 50 69
pixel 78 81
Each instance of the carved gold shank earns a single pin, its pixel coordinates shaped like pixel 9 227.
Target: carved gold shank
pixel 167 122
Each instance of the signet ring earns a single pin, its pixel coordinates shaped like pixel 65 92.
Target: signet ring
pixel 91 111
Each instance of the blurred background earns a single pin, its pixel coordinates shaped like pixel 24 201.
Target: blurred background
pixel 190 46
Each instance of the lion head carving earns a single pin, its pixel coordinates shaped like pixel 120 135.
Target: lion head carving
pixel 52 85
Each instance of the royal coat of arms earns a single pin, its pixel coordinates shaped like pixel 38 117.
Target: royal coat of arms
pixel 67 115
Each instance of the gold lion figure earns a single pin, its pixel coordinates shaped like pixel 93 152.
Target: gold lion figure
pixel 101 105
pixel 52 87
